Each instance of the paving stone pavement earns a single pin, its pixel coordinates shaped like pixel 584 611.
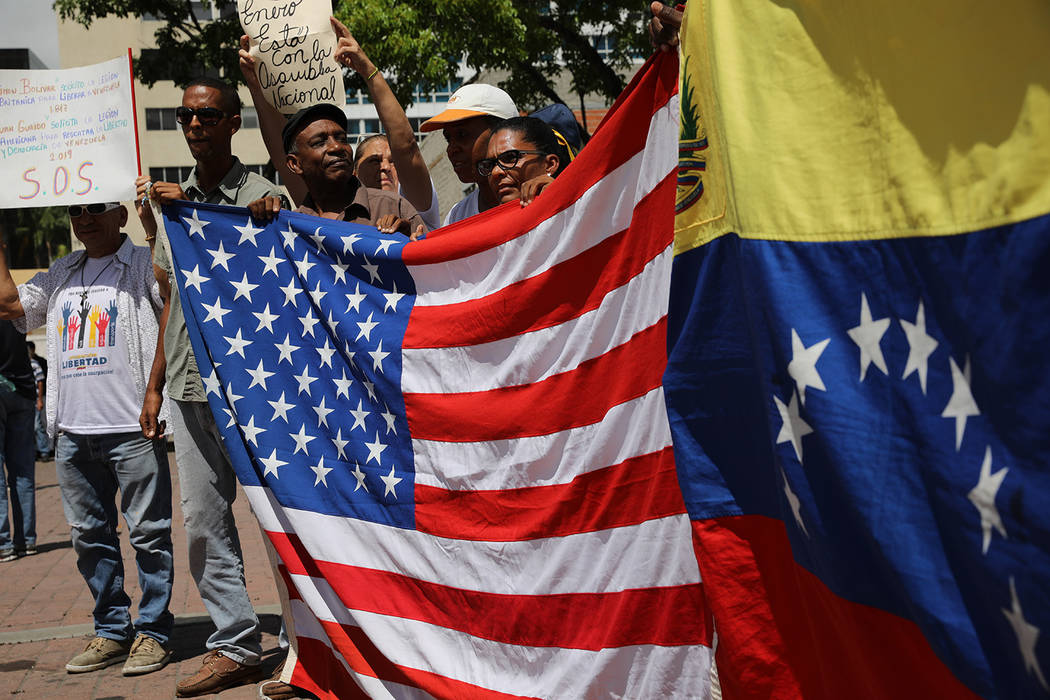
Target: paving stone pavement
pixel 45 611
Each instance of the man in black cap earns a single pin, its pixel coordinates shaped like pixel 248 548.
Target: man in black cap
pixel 316 150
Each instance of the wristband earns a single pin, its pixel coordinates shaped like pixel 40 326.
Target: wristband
pixel 372 74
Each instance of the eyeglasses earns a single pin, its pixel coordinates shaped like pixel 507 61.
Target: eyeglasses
pixel 208 116
pixel 506 160
pixel 76 210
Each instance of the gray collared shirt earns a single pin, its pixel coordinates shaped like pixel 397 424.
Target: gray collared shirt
pixel 237 188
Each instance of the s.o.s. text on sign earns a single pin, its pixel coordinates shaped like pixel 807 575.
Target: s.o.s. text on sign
pixel 294 44
pixel 67 136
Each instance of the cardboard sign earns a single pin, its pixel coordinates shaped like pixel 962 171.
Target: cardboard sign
pixel 67 136
pixel 294 45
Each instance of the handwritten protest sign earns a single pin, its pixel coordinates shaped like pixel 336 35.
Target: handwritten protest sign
pixel 67 136
pixel 294 44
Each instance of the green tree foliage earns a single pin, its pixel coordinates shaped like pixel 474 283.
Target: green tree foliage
pixel 420 42
pixel 35 236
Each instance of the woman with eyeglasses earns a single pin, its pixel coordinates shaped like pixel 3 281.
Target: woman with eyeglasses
pixel 524 156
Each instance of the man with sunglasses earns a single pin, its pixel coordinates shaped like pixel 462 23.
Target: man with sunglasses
pixel 209 116
pixel 100 307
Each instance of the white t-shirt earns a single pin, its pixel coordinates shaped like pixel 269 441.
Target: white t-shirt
pixel 463 209
pixel 431 217
pixel 96 392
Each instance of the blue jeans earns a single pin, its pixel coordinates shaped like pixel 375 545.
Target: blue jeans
pixel 209 487
pixel 91 468
pixel 43 440
pixel 17 471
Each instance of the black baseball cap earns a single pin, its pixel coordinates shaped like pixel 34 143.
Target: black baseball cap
pixel 306 116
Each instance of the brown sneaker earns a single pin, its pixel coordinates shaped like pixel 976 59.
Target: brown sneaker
pixel 146 656
pixel 217 673
pixel 276 689
pixel 99 653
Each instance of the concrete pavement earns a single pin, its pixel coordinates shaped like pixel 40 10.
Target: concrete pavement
pixel 45 611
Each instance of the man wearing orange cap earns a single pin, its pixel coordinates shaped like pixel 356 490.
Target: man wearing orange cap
pixel 466 123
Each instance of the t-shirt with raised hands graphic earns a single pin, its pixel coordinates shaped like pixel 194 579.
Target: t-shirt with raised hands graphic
pixel 96 392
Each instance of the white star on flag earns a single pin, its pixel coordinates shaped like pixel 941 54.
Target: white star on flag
pixel 196 224
pixel 211 384
pixel 378 356
pixel 303 266
pixel 289 236
pixel 389 418
pixel 237 344
pixel 1027 635
pixel 803 365
pixel 308 322
pixel 248 233
pixel 259 376
pixel 304 380
pixel 375 449
pixel 321 471
pixel 270 262
pixel 322 412
pixel 340 269
pixel 250 431
pixel 340 443
pixel 390 481
pixel 359 417
pixel 793 428
pixel 280 408
pixel 271 464
pixel 265 318
pixel 301 440
pixel 348 242
pixel 244 288
pixel 794 502
pixel 354 300
pixel 215 312
pixel 920 347
pixel 326 353
pixel 286 349
pixel 360 476
pixel 392 298
pixel 219 256
pixel 372 269
pixel 291 291
pixel 384 245
pixel 961 404
pixel 342 385
pixel 318 294
pixel 868 336
pixel 366 327
pixel 194 278
pixel 318 239
pixel 982 496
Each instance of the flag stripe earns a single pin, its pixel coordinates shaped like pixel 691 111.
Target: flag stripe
pixel 562 292
pixel 641 488
pixel 568 400
pixel 506 668
pixel 425 557
pixel 615 158
pixel 364 666
pixel 540 353
pixel 571 620
pixel 635 427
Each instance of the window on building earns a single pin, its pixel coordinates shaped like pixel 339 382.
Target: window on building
pixel 161 119
pixel 266 171
pixel 249 118
pixel 170 173
pixel 605 45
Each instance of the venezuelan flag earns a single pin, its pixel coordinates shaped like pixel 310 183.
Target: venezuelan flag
pixel 859 372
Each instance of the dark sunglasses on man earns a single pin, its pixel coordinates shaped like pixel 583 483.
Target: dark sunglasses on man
pixel 506 160
pixel 76 210
pixel 208 116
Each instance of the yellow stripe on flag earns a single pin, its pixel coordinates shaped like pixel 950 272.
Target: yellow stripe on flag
pixel 831 121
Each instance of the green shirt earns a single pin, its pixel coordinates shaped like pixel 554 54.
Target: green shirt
pixel 237 188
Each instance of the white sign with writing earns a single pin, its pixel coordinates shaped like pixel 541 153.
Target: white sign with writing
pixel 67 136
pixel 294 45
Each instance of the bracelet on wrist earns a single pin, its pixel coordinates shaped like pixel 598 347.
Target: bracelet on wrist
pixel 372 74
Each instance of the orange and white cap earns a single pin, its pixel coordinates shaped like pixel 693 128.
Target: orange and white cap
pixel 475 100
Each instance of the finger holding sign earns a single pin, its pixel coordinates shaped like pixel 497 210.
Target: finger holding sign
pixel 247 63
pixel 348 52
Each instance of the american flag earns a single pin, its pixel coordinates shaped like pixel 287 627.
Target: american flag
pixel 459 447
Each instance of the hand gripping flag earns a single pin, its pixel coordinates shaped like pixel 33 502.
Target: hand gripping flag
pixel 459 447
pixel 858 377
